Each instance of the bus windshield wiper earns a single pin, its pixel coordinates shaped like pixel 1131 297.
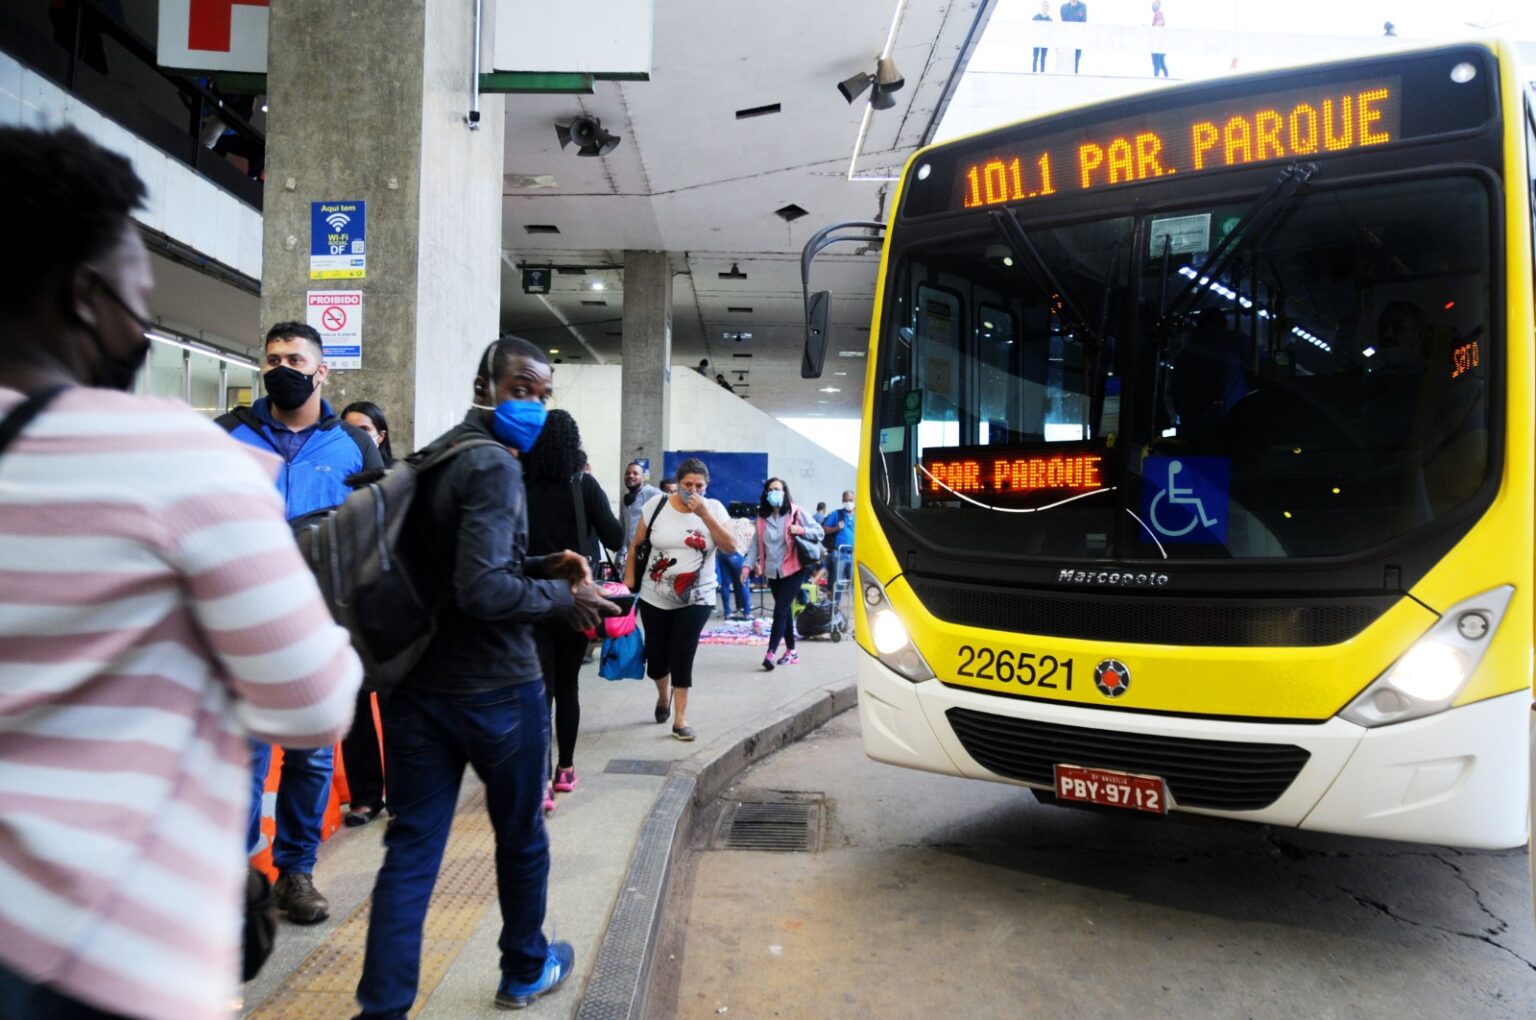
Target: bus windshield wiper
pixel 1260 217
pixel 1007 223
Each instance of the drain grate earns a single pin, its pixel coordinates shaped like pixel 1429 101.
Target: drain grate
pixel 787 827
pixel 640 766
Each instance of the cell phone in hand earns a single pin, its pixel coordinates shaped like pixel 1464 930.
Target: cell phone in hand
pixel 624 602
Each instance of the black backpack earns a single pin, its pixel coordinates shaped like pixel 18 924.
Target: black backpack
pixel 354 551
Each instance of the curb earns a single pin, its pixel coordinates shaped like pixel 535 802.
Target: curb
pixel 617 987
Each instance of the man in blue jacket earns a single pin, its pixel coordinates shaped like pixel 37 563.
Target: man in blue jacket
pixel 319 452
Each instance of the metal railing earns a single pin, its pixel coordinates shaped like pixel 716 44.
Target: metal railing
pixel 69 66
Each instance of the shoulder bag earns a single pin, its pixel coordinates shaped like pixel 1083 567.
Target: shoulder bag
pixel 642 555
pixel 809 550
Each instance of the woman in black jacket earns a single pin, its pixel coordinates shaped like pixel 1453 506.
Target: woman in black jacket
pixel 554 476
pixel 360 750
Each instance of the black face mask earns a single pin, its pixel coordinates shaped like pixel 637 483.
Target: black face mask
pixel 116 371
pixel 288 387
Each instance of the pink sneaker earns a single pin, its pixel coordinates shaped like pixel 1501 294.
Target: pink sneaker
pixel 790 658
pixel 549 799
pixel 565 780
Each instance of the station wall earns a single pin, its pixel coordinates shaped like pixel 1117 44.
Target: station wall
pixel 703 417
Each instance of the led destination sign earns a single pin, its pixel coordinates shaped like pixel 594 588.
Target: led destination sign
pixel 1012 475
pixel 1296 124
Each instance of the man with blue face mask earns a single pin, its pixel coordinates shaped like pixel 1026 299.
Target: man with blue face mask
pixel 477 696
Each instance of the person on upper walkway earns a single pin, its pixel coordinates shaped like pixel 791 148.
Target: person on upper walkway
pixel 155 613
pixel 1075 11
pixel 319 452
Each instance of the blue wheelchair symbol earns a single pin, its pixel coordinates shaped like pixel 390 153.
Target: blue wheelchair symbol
pixel 1184 499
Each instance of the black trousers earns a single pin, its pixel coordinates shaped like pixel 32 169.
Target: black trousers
pixel 785 590
pixel 560 652
pixel 360 755
pixel 672 640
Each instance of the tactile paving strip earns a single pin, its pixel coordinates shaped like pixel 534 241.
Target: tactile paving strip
pixel 323 985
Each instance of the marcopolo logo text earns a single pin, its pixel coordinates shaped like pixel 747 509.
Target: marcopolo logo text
pixel 1114 578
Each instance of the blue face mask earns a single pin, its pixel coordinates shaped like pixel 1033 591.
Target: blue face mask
pixel 775 497
pixel 517 422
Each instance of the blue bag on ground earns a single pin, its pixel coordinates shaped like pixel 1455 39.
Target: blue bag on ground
pixel 623 657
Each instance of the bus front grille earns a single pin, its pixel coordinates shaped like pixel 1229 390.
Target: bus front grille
pixel 1223 775
pixel 1151 619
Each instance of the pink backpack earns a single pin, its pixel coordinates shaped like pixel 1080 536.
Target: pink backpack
pixel 615 626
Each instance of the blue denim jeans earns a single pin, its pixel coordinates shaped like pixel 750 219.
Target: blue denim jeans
pixel 428 739
pixel 728 573
pixel 302 796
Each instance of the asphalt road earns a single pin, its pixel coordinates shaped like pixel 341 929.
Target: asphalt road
pixel 932 896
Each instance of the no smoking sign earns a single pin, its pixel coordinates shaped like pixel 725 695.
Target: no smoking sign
pixel 337 315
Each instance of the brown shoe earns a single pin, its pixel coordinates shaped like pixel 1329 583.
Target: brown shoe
pixel 297 897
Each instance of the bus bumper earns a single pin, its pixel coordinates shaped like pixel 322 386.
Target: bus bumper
pixel 1458 778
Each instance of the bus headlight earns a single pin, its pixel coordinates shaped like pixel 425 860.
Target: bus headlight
pixel 887 631
pixel 893 645
pixel 1429 675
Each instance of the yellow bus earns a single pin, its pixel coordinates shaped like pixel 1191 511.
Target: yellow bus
pixel 1197 467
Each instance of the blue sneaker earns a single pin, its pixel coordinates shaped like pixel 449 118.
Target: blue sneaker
pixel 557 967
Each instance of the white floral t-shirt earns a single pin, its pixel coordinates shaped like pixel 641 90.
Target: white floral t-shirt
pixel 682 567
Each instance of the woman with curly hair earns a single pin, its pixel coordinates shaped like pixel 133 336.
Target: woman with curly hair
pixel 561 493
pixel 360 750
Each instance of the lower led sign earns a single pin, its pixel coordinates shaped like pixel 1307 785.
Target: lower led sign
pixel 1013 475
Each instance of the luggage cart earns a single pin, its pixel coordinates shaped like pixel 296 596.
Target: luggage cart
pixel 842 585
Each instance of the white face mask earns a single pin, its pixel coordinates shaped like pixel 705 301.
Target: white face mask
pixel 848 506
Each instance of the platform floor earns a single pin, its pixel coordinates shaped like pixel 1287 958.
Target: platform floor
pixel 313 971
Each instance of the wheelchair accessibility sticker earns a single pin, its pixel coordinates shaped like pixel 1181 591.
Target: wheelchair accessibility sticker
pixel 1184 499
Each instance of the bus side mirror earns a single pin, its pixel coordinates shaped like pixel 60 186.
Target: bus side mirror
pixel 816 310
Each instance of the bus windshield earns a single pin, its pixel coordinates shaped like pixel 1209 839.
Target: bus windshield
pixel 1098 390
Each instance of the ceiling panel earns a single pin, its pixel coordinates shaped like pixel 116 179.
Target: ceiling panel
pixel 691 178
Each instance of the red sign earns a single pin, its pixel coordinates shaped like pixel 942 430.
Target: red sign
pixel 213 35
pixel 208 23
pixel 334 319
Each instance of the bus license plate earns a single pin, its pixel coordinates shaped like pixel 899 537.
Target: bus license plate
pixel 1112 789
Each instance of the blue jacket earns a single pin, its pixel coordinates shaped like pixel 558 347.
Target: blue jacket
pixel 315 478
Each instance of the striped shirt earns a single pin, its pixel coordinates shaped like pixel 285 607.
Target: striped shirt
pixel 153 612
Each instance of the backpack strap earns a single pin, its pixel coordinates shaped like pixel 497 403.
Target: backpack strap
pixel 21 416
pixel 665 499
pixel 450 451
pixel 578 497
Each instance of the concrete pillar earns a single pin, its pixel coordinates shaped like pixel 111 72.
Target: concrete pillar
pixel 647 357
pixel 367 102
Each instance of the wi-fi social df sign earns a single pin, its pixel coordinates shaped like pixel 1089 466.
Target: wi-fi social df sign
pixel 338 248
pixel 337 315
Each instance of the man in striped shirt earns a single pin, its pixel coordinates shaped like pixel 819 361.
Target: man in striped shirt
pixel 154 614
